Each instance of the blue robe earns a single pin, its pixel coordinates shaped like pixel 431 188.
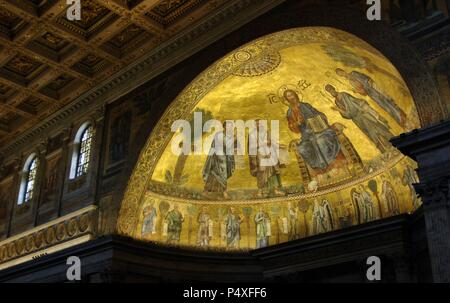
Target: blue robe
pixel 384 101
pixel 320 149
pixel 148 226
pixel 233 230
pixel 218 168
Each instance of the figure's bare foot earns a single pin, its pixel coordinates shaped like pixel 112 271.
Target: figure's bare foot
pixel 225 195
pixel 259 194
pixel 278 192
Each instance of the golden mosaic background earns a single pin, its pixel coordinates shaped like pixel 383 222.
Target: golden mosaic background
pixel 245 85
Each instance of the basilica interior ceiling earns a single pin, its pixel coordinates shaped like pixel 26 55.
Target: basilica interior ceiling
pixel 337 100
pixel 46 61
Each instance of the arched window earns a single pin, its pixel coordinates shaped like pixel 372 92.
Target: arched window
pixel 82 151
pixel 28 183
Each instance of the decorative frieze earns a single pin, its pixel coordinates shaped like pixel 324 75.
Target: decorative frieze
pixel 38 240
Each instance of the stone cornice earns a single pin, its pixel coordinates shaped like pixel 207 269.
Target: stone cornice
pixel 436 44
pixel 419 141
pixel 230 17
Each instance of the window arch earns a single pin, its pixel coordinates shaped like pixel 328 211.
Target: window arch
pixel 82 151
pixel 28 183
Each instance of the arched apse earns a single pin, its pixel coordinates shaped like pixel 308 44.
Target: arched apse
pixel 361 100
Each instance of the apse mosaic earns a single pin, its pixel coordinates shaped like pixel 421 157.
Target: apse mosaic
pixel 338 102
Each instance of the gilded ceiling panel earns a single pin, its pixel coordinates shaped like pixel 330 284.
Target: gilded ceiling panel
pixel 22 65
pixel 38 42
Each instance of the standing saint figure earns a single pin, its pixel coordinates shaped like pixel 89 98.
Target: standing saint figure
pixel 264 161
pixel 263 231
pixel 233 228
pixel 364 116
pixel 409 179
pixel 219 166
pixel 319 145
pixel 369 210
pixel 358 205
pixel 294 233
pixel 174 220
pixel 388 194
pixel 204 234
pixel 365 86
pixel 149 223
pixel 322 221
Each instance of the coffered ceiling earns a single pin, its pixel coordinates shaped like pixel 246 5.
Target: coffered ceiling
pixel 46 61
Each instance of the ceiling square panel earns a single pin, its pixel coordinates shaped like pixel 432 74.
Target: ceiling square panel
pixel 169 11
pixel 90 65
pixel 5 92
pixel 4 89
pixel 127 40
pixel 57 87
pixel 10 24
pixel 51 46
pixel 52 41
pixel 129 4
pixel 22 69
pixel 35 7
pixel 31 105
pixel 94 17
pixel 22 65
pixel 9 118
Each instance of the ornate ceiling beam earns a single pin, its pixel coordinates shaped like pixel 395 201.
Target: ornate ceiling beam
pixel 137 15
pixel 17 111
pixel 27 91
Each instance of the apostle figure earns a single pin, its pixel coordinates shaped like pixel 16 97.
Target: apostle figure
pixel 322 221
pixel 365 86
pixel 264 161
pixel 174 220
pixel 204 228
pixel 262 222
pixel 219 166
pixel 409 179
pixel 149 224
pixel 233 228
pixel 388 194
pixel 319 145
pixel 364 116
pixel 294 233
pixel 358 205
pixel 369 211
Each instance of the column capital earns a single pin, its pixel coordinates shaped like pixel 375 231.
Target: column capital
pixel 430 147
pixel 435 192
